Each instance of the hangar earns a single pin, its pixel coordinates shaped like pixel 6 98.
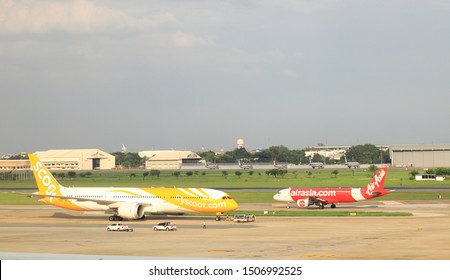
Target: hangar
pixel 78 159
pixel 420 155
pixel 164 160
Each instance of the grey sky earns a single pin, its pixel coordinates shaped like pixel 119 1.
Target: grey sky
pixel 182 74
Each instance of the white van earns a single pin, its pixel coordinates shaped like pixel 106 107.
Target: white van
pixel 242 218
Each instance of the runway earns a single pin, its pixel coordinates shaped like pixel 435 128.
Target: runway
pixel 47 232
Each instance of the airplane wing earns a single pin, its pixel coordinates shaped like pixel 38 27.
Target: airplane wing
pixel 316 199
pixel 110 203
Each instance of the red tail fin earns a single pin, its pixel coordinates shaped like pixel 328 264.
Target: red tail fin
pixel 376 186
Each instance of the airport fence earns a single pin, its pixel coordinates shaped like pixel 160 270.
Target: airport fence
pixel 16 175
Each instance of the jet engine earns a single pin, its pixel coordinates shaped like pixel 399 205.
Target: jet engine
pixel 132 211
pixel 303 202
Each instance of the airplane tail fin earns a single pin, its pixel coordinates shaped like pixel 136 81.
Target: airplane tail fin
pixel 47 184
pixel 376 186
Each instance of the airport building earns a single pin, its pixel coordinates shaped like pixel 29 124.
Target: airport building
pixel 15 164
pixel 78 159
pixel 420 155
pixel 169 160
pixel 335 152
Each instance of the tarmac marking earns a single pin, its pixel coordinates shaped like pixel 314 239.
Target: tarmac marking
pixel 221 251
pixel 391 202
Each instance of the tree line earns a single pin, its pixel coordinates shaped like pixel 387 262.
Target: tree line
pixel 364 154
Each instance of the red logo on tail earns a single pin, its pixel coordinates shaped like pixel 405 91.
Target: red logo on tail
pixel 377 182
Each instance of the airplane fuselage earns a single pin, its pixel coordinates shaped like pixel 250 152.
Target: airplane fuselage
pixel 331 195
pixel 167 200
pixel 130 203
pixel 305 197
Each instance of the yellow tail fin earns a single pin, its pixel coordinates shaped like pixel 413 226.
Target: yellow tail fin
pixel 45 181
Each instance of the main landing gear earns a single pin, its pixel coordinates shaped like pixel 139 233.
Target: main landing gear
pixel 115 218
pixel 219 216
pixel 322 206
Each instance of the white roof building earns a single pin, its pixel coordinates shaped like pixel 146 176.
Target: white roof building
pixel 78 159
pixel 420 155
pixel 166 159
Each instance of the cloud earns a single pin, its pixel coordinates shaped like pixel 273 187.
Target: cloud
pixel 303 6
pixel 289 73
pixel 185 40
pixel 71 16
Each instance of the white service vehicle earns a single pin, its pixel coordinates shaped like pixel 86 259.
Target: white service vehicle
pixel 118 227
pixel 168 226
pixel 242 218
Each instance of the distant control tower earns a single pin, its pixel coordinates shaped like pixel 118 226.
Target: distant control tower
pixel 240 143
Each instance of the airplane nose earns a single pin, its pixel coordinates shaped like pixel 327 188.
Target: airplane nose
pixel 233 205
pixel 276 196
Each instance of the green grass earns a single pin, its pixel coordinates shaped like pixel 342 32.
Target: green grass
pixel 215 179
pixel 267 196
pixel 212 178
pixel 7 198
pixel 11 198
pixel 345 177
pixel 314 213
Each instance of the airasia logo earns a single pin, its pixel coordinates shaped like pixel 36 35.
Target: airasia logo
pixel 310 192
pixel 46 180
pixel 375 184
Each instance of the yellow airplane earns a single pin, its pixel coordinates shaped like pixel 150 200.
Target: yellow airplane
pixel 128 203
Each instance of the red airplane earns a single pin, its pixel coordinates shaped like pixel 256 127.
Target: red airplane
pixel 305 197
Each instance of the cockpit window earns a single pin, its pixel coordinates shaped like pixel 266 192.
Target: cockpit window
pixel 227 197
